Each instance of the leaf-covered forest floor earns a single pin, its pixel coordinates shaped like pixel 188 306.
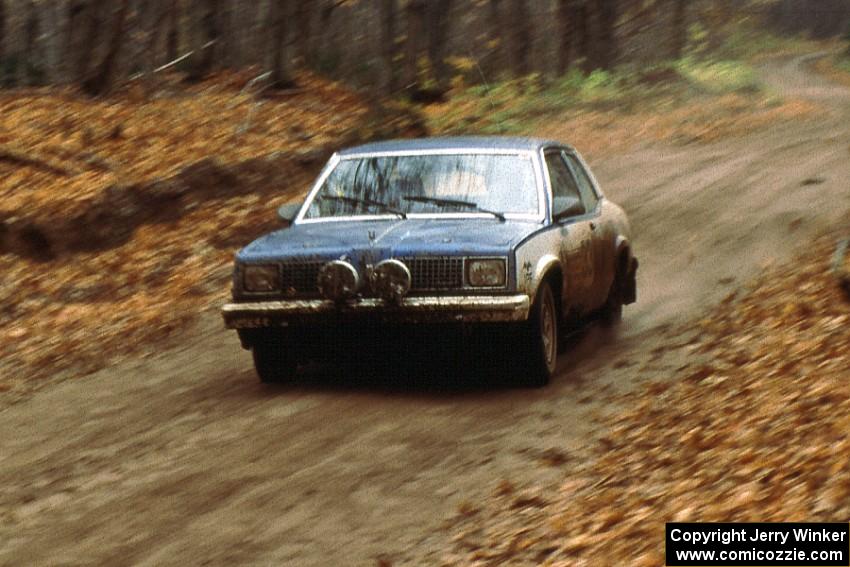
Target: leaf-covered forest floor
pixel 757 434
pixel 120 217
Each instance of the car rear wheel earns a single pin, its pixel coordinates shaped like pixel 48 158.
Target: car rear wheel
pixel 542 339
pixel 612 311
pixel 273 361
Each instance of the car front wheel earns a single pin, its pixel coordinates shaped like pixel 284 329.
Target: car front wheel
pixel 273 361
pixel 542 338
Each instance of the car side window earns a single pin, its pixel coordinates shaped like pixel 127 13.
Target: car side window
pixel 585 186
pixel 566 197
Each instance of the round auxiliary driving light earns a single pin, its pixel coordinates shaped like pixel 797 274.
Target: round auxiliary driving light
pixel 338 280
pixel 390 280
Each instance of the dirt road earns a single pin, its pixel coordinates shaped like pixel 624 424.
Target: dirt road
pixel 183 458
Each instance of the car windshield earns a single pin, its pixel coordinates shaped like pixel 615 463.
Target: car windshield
pixel 495 184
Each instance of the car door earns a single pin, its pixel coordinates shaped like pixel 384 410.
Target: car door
pixel 602 235
pixel 576 245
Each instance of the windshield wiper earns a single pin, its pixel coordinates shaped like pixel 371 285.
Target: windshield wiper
pixel 367 202
pixel 455 203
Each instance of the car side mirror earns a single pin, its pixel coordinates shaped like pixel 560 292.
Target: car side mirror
pixel 566 207
pixel 287 212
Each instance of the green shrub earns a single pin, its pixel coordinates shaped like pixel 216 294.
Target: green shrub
pixel 519 105
pixel 746 42
pixel 718 77
pixel 516 106
pixel 847 39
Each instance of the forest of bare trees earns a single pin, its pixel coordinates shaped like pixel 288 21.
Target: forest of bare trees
pixel 405 46
pixel 818 18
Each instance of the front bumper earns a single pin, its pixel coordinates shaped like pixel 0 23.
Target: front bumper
pixel 437 309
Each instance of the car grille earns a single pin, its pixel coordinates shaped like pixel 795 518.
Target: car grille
pixel 300 276
pixel 435 273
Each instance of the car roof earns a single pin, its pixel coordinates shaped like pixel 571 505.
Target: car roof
pixel 453 143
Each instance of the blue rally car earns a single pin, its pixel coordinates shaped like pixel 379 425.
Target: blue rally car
pixel 508 234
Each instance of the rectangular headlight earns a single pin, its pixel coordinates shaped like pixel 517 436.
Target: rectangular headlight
pixel 485 272
pixel 261 277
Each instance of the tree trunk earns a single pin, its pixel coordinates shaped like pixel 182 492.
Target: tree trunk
pixel 788 18
pixel 438 20
pixel 85 22
pixel 304 28
pixel 680 28
pixel 520 26
pixel 101 79
pixel 2 32
pixel 566 31
pixel 280 42
pixel 172 36
pixel 28 61
pixel 607 13
pixel 327 49
pixel 5 79
pixel 156 28
pixel 413 43
pixel 55 57
pixel 388 45
pixel 140 22
pixel 496 56
pixel 583 35
pixel 205 36
pixel 228 48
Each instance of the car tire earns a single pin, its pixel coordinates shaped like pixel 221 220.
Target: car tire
pixel 612 310
pixel 541 331
pixel 273 361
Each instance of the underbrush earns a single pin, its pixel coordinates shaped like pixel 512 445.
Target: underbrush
pixel 720 76
pixel 708 76
pixel 747 43
pixel 835 68
pixel 523 106
pixel 843 64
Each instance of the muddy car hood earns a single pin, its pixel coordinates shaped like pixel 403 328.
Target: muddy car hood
pixel 387 239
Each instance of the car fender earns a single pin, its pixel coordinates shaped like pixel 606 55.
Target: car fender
pixel 546 263
pixel 622 243
pixel 534 257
